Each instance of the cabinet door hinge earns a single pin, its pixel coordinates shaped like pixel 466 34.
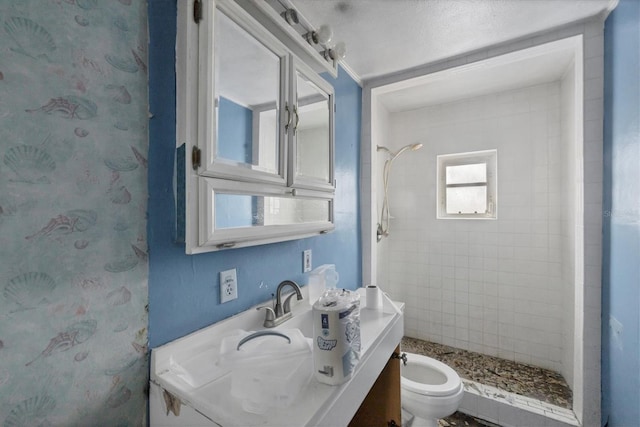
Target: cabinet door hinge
pixel 196 155
pixel 197 11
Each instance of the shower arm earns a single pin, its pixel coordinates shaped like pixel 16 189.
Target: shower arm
pixel 383 228
pixel 393 155
pixel 383 225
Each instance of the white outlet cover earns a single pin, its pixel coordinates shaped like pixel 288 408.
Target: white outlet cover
pixel 228 285
pixel 306 261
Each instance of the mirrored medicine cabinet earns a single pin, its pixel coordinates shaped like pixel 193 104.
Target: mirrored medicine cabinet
pixel 259 124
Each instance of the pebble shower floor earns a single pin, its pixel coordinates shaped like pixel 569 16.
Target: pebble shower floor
pixel 525 380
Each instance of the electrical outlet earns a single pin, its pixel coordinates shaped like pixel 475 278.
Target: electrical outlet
pixel 306 261
pixel 228 285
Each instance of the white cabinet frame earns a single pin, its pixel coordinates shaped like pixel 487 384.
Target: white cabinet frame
pixel 207 132
pixel 195 95
pixel 294 180
pixel 250 236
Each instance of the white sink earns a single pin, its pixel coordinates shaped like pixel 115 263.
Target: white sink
pixel 188 368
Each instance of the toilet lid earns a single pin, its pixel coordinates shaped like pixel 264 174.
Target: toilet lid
pixel 447 380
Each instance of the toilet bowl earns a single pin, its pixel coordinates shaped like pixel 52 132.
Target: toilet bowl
pixel 430 390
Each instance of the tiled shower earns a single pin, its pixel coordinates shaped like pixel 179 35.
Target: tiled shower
pixel 524 287
pixel 499 287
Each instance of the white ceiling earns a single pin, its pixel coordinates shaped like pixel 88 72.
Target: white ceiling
pixel 388 36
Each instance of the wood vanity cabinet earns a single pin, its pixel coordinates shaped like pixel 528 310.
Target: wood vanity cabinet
pixel 382 404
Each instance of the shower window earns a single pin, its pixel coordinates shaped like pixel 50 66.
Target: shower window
pixel 467 185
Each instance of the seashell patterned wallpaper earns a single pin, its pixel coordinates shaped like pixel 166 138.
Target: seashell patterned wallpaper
pixel 73 201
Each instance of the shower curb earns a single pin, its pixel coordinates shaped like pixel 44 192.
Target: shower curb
pixel 512 410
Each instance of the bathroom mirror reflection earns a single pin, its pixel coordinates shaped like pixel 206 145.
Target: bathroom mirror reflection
pixel 239 210
pixel 312 131
pixel 247 97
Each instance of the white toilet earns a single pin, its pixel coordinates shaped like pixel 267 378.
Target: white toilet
pixel 430 390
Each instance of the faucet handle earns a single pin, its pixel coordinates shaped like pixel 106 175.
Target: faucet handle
pixel 270 315
pixel 286 306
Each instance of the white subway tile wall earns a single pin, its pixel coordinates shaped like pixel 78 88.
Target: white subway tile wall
pixel 489 286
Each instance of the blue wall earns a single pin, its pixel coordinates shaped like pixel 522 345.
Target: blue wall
pixel 235 131
pixel 621 239
pixel 235 142
pixel 234 210
pixel 184 289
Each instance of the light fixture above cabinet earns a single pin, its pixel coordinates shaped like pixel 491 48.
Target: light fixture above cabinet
pixel 322 37
pixel 316 46
pixel 336 52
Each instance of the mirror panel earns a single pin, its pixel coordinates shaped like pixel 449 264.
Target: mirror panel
pixel 247 88
pixel 313 153
pixel 239 210
pixel 236 214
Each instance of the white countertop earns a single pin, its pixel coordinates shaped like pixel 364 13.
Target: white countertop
pixel 207 389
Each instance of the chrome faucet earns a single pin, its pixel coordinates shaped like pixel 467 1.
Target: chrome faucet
pixel 282 311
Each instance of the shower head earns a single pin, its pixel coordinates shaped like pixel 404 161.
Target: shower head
pixel 412 147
